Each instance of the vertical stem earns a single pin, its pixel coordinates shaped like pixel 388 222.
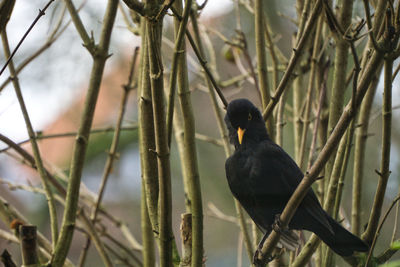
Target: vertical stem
pixel 294 59
pixel 179 51
pixel 100 56
pixel 274 58
pixel 189 156
pixel 244 229
pixel 262 59
pixel 339 75
pixel 148 251
pixel 148 159
pixel 384 172
pixel 359 154
pixel 379 15
pixel 297 99
pixel 343 171
pixel 332 192
pixel 154 29
pixel 310 89
pixel 179 138
pixel 186 237
pixel 322 93
pixel 303 8
pixel 280 119
pixel 303 19
pixel 112 154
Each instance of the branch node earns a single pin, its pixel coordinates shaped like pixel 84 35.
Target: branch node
pixel 81 139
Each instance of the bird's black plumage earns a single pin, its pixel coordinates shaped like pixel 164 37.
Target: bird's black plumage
pixel 262 176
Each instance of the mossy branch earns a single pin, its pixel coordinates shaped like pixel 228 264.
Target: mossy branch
pixel 162 148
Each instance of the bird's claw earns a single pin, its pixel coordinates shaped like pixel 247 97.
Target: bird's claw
pixel 277 225
pixel 258 260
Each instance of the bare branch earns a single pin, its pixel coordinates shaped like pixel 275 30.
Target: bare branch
pixel 41 13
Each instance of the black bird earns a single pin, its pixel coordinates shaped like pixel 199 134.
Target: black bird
pixel 262 176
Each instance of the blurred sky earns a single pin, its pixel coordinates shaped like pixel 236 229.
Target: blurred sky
pixel 50 83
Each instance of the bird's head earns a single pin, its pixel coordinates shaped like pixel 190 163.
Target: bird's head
pixel 245 123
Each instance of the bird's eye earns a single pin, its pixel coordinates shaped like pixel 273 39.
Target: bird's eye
pixel 250 117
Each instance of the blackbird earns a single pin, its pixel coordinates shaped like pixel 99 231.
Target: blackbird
pixel 262 177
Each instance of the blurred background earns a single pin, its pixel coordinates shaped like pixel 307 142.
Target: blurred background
pixel 54 87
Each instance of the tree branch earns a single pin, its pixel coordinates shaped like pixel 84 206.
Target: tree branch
pixel 293 60
pixel 136 6
pixel 10 56
pixel 99 58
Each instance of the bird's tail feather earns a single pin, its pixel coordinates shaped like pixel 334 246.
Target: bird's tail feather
pixel 343 242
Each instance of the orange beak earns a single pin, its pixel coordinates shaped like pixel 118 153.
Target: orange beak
pixel 240 133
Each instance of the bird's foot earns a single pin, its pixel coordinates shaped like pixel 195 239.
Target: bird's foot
pixel 277 225
pixel 256 260
pixel 259 260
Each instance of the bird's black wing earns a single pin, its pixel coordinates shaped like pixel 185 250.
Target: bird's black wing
pixel 238 168
pixel 274 176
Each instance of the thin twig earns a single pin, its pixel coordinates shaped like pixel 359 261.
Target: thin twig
pixel 297 52
pixel 112 154
pixel 317 119
pixel 217 213
pixel 88 42
pixel 179 50
pixel 310 90
pixel 41 13
pixel 32 136
pixel 379 229
pixel 209 139
pixel 6 259
pixel 371 30
pixel 373 221
pixel 71 134
pixel 129 251
pixel 136 6
pixel 53 36
pixel 206 69
pixel 263 86
pixel 203 62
